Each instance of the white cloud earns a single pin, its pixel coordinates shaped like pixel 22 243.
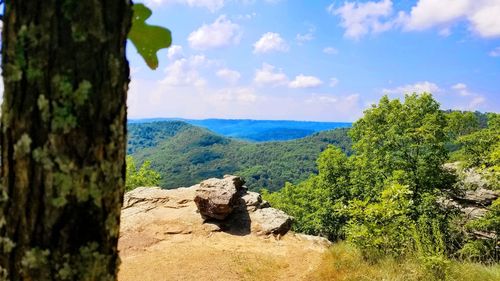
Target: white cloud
pixel 462 98
pixel 359 19
pixel 461 88
pixel 268 75
pixel 330 51
pixel 230 76
pixel 186 72
pixel 269 42
pixel 221 33
pixel 308 36
pixel 303 81
pixel 476 102
pixel 212 5
pixel 418 87
pixel 467 99
pixel 495 52
pixel 485 19
pixel 175 52
pixel 334 82
pixel 301 38
pixel 482 15
pixel 428 13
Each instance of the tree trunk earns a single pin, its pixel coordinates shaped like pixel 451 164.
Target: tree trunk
pixel 63 131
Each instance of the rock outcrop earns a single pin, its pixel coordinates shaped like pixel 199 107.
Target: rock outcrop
pixel 216 198
pixel 164 229
pixel 471 195
pixel 237 210
pixel 271 221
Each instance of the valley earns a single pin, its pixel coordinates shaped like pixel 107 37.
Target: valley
pixel 185 154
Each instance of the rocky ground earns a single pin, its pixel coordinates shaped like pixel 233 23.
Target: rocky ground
pixel 227 234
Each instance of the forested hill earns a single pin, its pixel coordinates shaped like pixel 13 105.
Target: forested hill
pixel 185 154
pixel 257 130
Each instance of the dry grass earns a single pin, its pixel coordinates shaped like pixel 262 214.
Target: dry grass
pixel 344 262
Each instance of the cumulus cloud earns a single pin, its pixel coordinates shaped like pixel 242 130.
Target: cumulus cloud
pixel 419 87
pixel 175 52
pixel 186 72
pixel 212 5
pixel 359 19
pixel 304 81
pixel 428 13
pixel 308 36
pixel 221 33
pixel 330 51
pixel 461 88
pixel 269 75
pixel 468 99
pixel 482 15
pixel 269 42
pixel 229 75
pixel 465 99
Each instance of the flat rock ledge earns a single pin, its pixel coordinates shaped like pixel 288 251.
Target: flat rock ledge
pixel 214 205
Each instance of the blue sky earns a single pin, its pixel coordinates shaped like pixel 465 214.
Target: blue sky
pixel 317 60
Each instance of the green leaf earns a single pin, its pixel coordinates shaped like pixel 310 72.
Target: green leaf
pixel 148 39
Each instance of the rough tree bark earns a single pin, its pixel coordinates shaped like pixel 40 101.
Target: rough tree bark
pixel 63 130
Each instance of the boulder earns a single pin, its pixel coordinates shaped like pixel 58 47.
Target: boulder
pixel 251 200
pixel 270 221
pixel 216 198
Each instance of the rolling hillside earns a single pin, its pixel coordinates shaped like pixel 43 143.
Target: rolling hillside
pixel 257 130
pixel 185 154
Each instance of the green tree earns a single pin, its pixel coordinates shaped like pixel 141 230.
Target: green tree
pixel 394 136
pixel 318 203
pixel 460 123
pixel 480 149
pixel 144 176
pixel 383 227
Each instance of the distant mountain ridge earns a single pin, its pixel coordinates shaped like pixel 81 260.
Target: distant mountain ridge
pixel 185 154
pixel 256 130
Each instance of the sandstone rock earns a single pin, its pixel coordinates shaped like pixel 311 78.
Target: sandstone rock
pixel 270 221
pixel 143 195
pixel 481 196
pixel 216 198
pixel 252 200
